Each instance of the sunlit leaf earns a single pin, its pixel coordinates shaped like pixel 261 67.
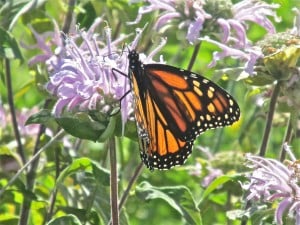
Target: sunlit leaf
pixel 84 165
pixel 8 219
pixel 178 197
pixel 12 11
pixel 219 181
pixel 9 48
pixel 280 63
pixel 65 220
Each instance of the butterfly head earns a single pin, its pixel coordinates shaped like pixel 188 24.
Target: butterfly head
pixel 134 59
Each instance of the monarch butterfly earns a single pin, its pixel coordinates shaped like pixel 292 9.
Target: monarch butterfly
pixel 172 107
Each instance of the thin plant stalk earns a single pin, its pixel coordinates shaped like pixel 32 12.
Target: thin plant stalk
pixel 267 131
pixel 132 180
pixel 113 182
pixel 31 175
pixel 287 139
pixel 69 16
pixel 54 192
pixel 194 56
pixel 11 104
pixel 130 184
pixel 270 115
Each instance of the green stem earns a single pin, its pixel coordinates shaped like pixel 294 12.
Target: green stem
pixel 267 131
pixel 69 16
pixel 271 112
pixel 194 56
pixel 130 184
pixel 54 192
pixel 287 139
pixel 31 175
pixel 11 104
pixel 113 182
pixel 30 180
pixel 251 121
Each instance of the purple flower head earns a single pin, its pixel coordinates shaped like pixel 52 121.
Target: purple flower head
pixel 257 12
pixel 233 41
pixel 228 22
pixel 271 180
pixel 89 73
pixel 189 14
pixel 83 78
pixel 250 55
pixel 47 42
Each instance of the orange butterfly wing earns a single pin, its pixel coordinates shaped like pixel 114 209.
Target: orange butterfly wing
pixel 160 148
pixel 172 107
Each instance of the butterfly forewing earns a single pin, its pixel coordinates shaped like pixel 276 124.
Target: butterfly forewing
pixel 172 107
pixel 160 148
pixel 190 103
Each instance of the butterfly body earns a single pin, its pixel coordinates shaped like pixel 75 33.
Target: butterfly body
pixel 172 107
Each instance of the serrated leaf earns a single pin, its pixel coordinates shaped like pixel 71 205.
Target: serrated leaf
pixel 178 197
pixel 65 220
pixel 9 48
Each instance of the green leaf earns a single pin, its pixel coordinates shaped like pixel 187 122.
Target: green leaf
pixel 9 11
pixel 261 214
pixel 178 197
pixel 65 220
pixel 98 186
pixel 87 19
pixel 86 165
pixel 83 126
pixel 8 218
pixel 221 180
pixel 280 63
pixel 9 48
pixel 81 214
pixel 42 117
pixel 109 130
pixel 261 79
